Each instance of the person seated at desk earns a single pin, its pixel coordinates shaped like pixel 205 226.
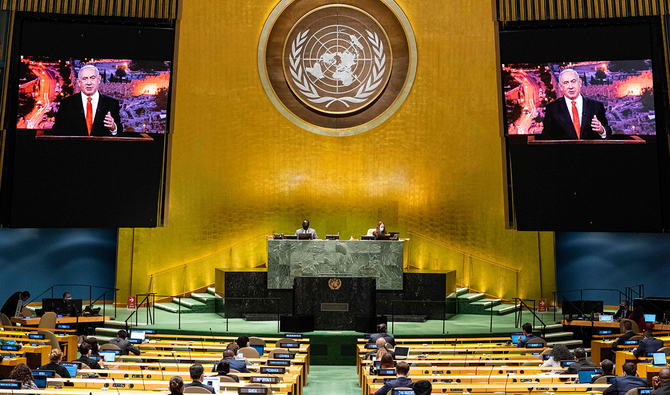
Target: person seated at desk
pixel 240 366
pixel 558 353
pixel 647 345
pixel 380 351
pixel 176 385
pixel 95 348
pixel 306 230
pixel 638 317
pixel 401 380
pixel 122 342
pixel 661 383
pixel 386 361
pixel 223 369
pixel 13 305
pixel 626 336
pixel 382 332
pixel 580 362
pixel 85 358
pixel 197 374
pixel 422 387
pixel 380 231
pixel 527 333
pixel 623 312
pixel 24 375
pixel 54 364
pixel 628 381
pixel 66 296
pixel 607 367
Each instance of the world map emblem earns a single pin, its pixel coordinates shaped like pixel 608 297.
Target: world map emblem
pixel 337 59
pixel 337 69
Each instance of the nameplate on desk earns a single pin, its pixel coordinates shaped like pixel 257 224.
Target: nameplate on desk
pixel 334 306
pixel 249 390
pixel 289 345
pixel 267 370
pixel 293 335
pixel 37 336
pixel 534 345
pixel 275 362
pixel 63 326
pixel 629 342
pixel 14 385
pixel 370 346
pixel 284 355
pixel 604 332
pixel 386 372
pixel 261 379
pixel 10 347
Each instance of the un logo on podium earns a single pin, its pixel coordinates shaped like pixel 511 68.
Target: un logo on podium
pixel 334 284
pixel 337 69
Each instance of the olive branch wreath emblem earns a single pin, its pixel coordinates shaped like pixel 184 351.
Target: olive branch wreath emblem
pixel 309 90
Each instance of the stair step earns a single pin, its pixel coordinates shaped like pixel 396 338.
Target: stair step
pixel 567 343
pixel 117 323
pixel 189 303
pixel 170 307
pixel 503 309
pixel 487 302
pixel 204 298
pixel 211 291
pixel 471 297
pixel 107 331
pixel 555 335
pixel 553 327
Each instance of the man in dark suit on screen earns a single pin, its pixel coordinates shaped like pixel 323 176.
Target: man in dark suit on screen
pixel 88 113
pixel 573 116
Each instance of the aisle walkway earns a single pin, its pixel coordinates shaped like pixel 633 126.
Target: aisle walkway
pixel 332 380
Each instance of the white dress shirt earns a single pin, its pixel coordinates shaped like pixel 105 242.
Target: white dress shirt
pixel 579 102
pixel 95 98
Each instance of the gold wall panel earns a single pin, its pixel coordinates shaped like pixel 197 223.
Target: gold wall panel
pixel 240 170
pixel 159 9
pixel 536 10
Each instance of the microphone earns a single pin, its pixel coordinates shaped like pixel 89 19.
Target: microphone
pixel 488 379
pixel 477 367
pixel 175 360
pixel 506 383
pixel 161 369
pixel 189 352
pixel 114 385
pixel 143 386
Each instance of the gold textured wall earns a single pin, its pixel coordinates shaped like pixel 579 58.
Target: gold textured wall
pixel 239 170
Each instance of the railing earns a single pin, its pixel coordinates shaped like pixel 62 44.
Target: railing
pixel 429 254
pixel 90 295
pixel 630 292
pixel 518 314
pixel 444 304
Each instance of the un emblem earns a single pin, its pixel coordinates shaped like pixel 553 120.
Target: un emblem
pixel 337 69
pixel 334 283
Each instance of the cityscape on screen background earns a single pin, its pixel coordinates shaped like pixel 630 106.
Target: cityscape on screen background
pixel 626 89
pixel 140 86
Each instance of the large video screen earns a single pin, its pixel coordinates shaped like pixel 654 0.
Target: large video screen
pixel 140 88
pixel 88 120
pixel 584 105
pixel 619 94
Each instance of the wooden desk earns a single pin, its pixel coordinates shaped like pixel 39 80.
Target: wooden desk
pixel 508 388
pixel 149 384
pixel 35 321
pixel 446 340
pixel 230 339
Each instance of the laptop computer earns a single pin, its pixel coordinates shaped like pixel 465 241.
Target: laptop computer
pixel 258 347
pixel 108 355
pixel 585 375
pixel 213 381
pixel 516 336
pixel 644 390
pixel 606 318
pixel 401 352
pixel 648 318
pixel 660 359
pixel 40 381
pixel 71 367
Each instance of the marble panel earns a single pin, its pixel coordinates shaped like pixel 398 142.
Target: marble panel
pixel 382 260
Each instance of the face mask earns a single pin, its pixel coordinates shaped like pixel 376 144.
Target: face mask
pixel 381 228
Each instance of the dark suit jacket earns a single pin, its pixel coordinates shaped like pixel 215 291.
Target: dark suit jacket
pixel 56 367
pixel 92 363
pixel 647 345
pixel 201 385
pixel 9 308
pixel 388 337
pixel 232 376
pixel 662 390
pixel 71 121
pixel 575 367
pixel 558 123
pixel 620 341
pixel 619 313
pixel 623 384
pixel 395 383
pixel 522 342
pixel 125 346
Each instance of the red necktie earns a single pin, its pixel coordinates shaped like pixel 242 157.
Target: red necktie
pixel 89 115
pixel 575 118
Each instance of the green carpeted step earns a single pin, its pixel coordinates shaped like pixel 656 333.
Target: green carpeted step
pixel 459 291
pixel 503 309
pixel 208 299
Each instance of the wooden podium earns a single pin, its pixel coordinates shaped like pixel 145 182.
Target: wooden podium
pixel 337 303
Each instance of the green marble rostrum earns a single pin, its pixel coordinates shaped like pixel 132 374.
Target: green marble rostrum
pixel 308 258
